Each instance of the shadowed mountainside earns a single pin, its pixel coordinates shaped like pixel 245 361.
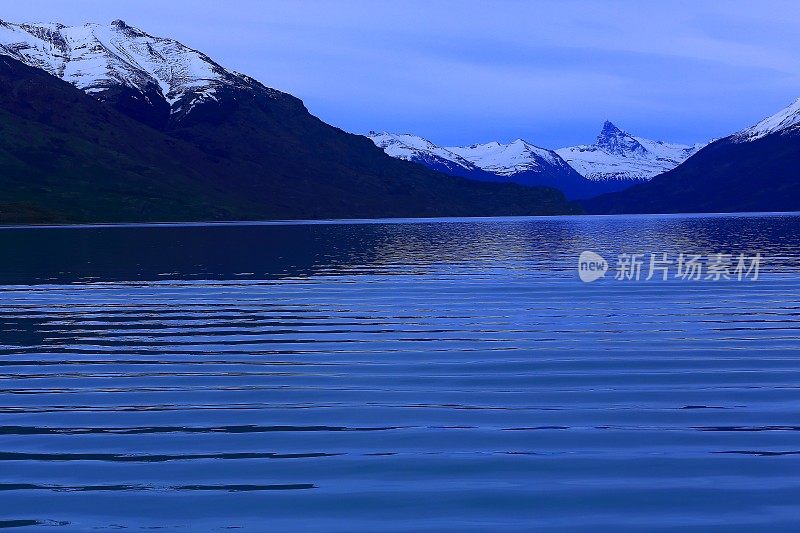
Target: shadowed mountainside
pixel 67 157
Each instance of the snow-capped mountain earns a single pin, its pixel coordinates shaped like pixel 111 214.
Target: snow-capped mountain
pixel 517 162
pixel 510 159
pixel 755 169
pixel 615 161
pixel 785 121
pixel 619 156
pixel 414 148
pixel 161 76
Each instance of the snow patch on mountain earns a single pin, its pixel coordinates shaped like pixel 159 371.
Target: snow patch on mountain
pixel 617 155
pixel 415 148
pixel 493 158
pixel 96 58
pixel 508 159
pixel 787 120
pixel 516 162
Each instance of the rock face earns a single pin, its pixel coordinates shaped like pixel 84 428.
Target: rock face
pixel 755 169
pixel 212 143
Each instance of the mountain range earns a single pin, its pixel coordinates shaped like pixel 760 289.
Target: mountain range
pixel 516 162
pixel 106 123
pixel 109 123
pixel 615 161
pixel 755 169
pixel 618 156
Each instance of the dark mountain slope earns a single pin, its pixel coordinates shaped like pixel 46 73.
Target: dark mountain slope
pixel 725 176
pixel 65 156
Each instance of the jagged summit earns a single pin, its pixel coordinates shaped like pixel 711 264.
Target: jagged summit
pixel 619 156
pixel 609 128
pixel 615 141
pixel 127 28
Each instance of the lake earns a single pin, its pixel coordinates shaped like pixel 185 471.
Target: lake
pixel 398 375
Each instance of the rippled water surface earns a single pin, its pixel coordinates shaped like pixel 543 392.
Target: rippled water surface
pixel 412 375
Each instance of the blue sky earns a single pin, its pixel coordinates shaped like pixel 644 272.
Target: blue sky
pixel 470 71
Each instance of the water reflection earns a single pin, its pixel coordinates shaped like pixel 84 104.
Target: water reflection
pixel 425 375
pixel 252 251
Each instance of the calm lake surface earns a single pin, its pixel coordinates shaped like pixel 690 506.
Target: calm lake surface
pixel 398 375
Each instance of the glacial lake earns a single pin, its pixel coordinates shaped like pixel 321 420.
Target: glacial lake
pixel 398 375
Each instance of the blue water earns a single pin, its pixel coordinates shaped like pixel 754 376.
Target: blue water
pixel 397 375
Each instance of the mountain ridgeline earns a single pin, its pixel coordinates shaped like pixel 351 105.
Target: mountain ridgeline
pixel 619 159
pixel 516 162
pixel 616 161
pixel 108 123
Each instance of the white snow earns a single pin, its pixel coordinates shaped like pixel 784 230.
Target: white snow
pixel 507 159
pixel 496 158
pixel 617 155
pixel 97 57
pixel 784 121
pixel 414 148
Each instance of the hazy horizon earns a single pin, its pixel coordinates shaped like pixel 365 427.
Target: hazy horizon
pixel 465 73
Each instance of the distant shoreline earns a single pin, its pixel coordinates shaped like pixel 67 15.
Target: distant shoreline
pixel 397 220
